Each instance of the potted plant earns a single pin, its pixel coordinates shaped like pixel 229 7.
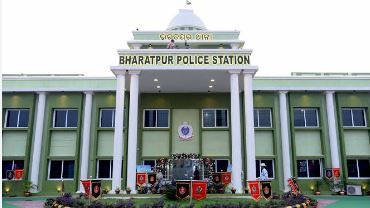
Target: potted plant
pixel 128 190
pixel 27 186
pixel 117 190
pixel 105 190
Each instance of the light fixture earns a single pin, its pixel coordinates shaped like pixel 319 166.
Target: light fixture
pixel 210 86
pixel 59 188
pixel 7 189
pixel 158 87
pixel 212 80
pixel 155 79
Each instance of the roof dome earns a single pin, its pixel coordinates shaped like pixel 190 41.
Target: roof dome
pixel 186 20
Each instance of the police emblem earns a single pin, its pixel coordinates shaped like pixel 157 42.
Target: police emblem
pixel 182 190
pixel 185 131
pixel 199 189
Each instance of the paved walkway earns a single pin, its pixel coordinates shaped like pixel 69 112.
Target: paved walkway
pixel 324 202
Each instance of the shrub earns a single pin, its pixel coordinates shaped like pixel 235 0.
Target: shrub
pixel 49 202
pixel 124 204
pixel 96 204
pixel 170 193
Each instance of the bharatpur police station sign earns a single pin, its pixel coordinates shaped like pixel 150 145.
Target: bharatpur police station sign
pixel 175 59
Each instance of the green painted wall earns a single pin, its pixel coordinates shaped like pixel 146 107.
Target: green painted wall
pixel 54 101
pixel 264 143
pixel 14 143
pixel 190 116
pixel 350 136
pixel 308 143
pixel 101 139
pixel 23 135
pixel 156 144
pixel 216 143
pixel 320 148
pixel 357 142
pixel 63 143
pixel 105 143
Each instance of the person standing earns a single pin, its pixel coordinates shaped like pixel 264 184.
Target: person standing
pixel 264 175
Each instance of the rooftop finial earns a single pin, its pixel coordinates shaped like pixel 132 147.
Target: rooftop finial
pixel 188 2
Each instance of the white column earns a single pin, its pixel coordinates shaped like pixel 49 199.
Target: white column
pixel 118 133
pixel 285 138
pixel 333 138
pixel 85 139
pixel 132 130
pixel 236 156
pixel 249 127
pixel 36 154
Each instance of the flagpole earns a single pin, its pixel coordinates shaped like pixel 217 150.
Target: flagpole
pixel 90 191
pixel 191 190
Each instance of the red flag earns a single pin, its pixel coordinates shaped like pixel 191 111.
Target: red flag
pixel 293 185
pixel 86 184
pixel 254 190
pixel 18 174
pixel 140 179
pixel 226 178
pixel 199 190
pixel 336 172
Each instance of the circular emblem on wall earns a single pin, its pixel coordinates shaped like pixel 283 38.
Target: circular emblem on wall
pixel 185 131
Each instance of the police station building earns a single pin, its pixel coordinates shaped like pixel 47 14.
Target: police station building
pixel 197 94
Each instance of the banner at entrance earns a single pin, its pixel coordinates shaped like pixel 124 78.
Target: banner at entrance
pixel 336 172
pixel 266 189
pixel 329 173
pixel 140 179
pixel 226 178
pixel 254 190
pixel 152 178
pixel 293 185
pixel 199 190
pixel 18 174
pixel 182 189
pixel 96 189
pixel 216 177
pixel 9 174
pixel 86 184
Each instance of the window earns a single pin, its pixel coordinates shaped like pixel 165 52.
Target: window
pixel 305 117
pixel 156 118
pixel 309 168
pixel 353 117
pixel 65 118
pixel 11 165
pixel 61 169
pixel 215 118
pixel 107 117
pixel 221 165
pixel 358 168
pixel 269 167
pixel 16 118
pixel 105 168
pixel 262 117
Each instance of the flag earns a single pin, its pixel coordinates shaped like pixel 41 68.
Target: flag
pixel 152 178
pixel 18 174
pixel 96 189
pixel 199 190
pixel 226 178
pixel 9 174
pixel 216 177
pixel 86 184
pixel 266 189
pixel 182 189
pixel 140 179
pixel 254 190
pixel 336 172
pixel 293 185
pixel 329 173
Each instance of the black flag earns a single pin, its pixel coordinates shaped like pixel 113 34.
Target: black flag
pixel 266 189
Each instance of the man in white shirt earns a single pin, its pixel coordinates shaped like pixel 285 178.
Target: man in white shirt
pixel 264 176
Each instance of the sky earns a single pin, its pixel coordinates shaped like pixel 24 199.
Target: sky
pixel 82 36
